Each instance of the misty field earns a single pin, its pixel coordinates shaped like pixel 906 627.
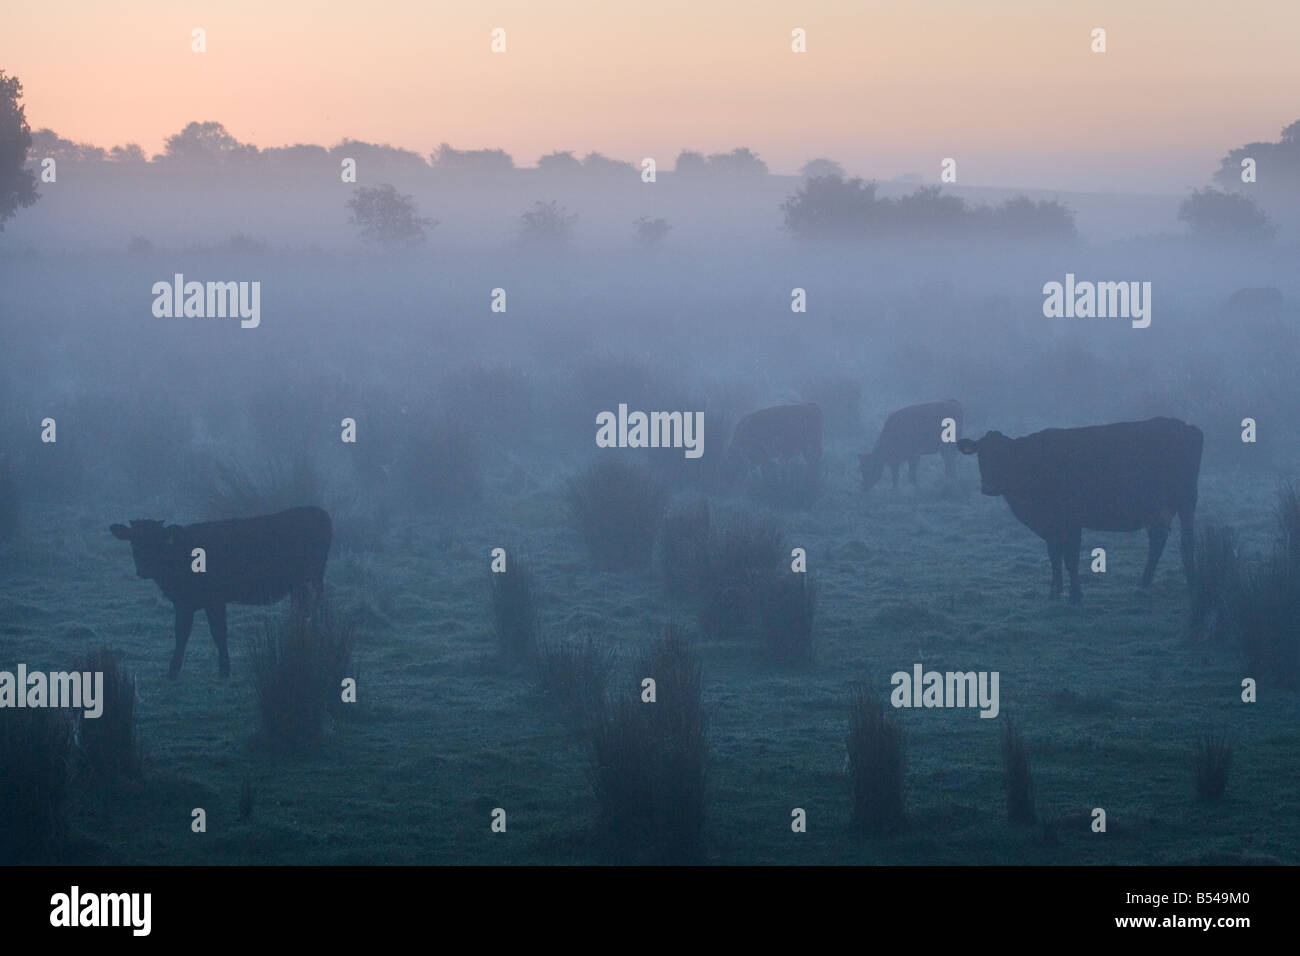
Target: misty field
pixel 469 428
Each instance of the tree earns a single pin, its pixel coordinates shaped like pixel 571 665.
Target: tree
pixel 476 160
pixel 205 144
pixel 830 207
pixel 387 218
pixel 1223 216
pixel 17 182
pixel 558 162
pixel 547 224
pixel 603 165
pixel 650 232
pixel 1278 164
pixel 130 153
pixel 821 167
pixel 691 163
pixel 739 162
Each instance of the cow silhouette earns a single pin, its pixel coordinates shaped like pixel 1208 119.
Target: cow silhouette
pixel 1120 477
pixel 778 433
pixel 908 434
pixel 247 561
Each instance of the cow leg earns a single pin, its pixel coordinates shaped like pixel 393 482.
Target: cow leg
pixel 1054 550
pixel 1187 541
pixel 911 469
pixel 949 461
pixel 217 625
pixel 1157 535
pixel 1073 540
pixel 184 624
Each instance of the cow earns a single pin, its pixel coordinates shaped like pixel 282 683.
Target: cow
pixel 1119 477
pixel 780 432
pixel 246 561
pixel 908 434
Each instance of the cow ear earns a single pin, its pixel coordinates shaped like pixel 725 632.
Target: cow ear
pixel 966 446
pixel 120 531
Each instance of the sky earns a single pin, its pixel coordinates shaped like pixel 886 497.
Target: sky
pixel 1009 88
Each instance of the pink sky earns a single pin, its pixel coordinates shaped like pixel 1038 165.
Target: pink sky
pixel 1009 88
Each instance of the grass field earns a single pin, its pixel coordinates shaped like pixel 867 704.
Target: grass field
pixel 1110 696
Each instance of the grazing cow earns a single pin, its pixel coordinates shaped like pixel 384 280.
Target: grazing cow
pixel 908 434
pixel 247 561
pixel 780 432
pixel 1119 477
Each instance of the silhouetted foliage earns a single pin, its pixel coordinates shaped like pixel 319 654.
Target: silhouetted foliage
pixel 1213 214
pixel 1277 163
pixel 205 144
pixel 387 217
pixel 17 182
pixel 1016 776
pixel 547 224
pixel 650 232
pixel 109 741
pixel 875 765
pixel 651 761
pixel 821 167
pixel 571 676
pixel 559 162
pixel 1211 759
pixel 690 163
pixel 616 508
pixel 35 754
pixel 473 160
pixel 1216 584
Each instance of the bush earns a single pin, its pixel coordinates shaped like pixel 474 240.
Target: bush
pixel 787 604
pixel 386 217
pixel 650 763
pixel 298 669
pixel 1216 583
pixel 1015 770
pixel 1215 215
pixel 35 751
pixel 8 502
pixel 616 509
pixel 547 224
pixel 875 765
pixel 651 232
pixel 745 554
pixel 787 482
pixel 1211 758
pixel 572 675
pixel 684 548
pixel 514 610
pixel 240 491
pixel 109 741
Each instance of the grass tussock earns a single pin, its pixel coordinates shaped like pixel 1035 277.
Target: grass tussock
pixel 650 762
pixel 572 675
pixel 236 490
pixel 512 595
pixel 1211 759
pixel 875 765
pixel 616 509
pixel 684 548
pixel 1216 584
pixel 787 483
pixel 110 741
pixel 35 754
pixel 298 669
pixel 746 553
pixel 788 603
pixel 1268 612
pixel 1015 770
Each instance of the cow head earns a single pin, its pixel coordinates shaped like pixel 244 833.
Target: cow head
pixel 872 468
pixel 996 466
pixel 151 545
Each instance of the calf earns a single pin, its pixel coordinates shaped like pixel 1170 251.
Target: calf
pixel 248 561
pixel 1119 477
pixel 780 432
pixel 908 434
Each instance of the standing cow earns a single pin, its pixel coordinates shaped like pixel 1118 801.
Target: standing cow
pixel 908 434
pixel 245 561
pixel 781 433
pixel 1119 477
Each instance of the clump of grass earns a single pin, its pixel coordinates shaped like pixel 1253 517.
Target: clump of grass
pixel 1211 759
pixel 242 491
pixel 875 765
pixel 35 753
pixel 1015 771
pixel 110 741
pixel 745 553
pixel 298 669
pixel 572 675
pixel 1268 612
pixel 514 609
pixel 684 548
pixel 650 762
pixel 1216 583
pixel 8 502
pixel 788 603
pixel 616 508
pixel 787 483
